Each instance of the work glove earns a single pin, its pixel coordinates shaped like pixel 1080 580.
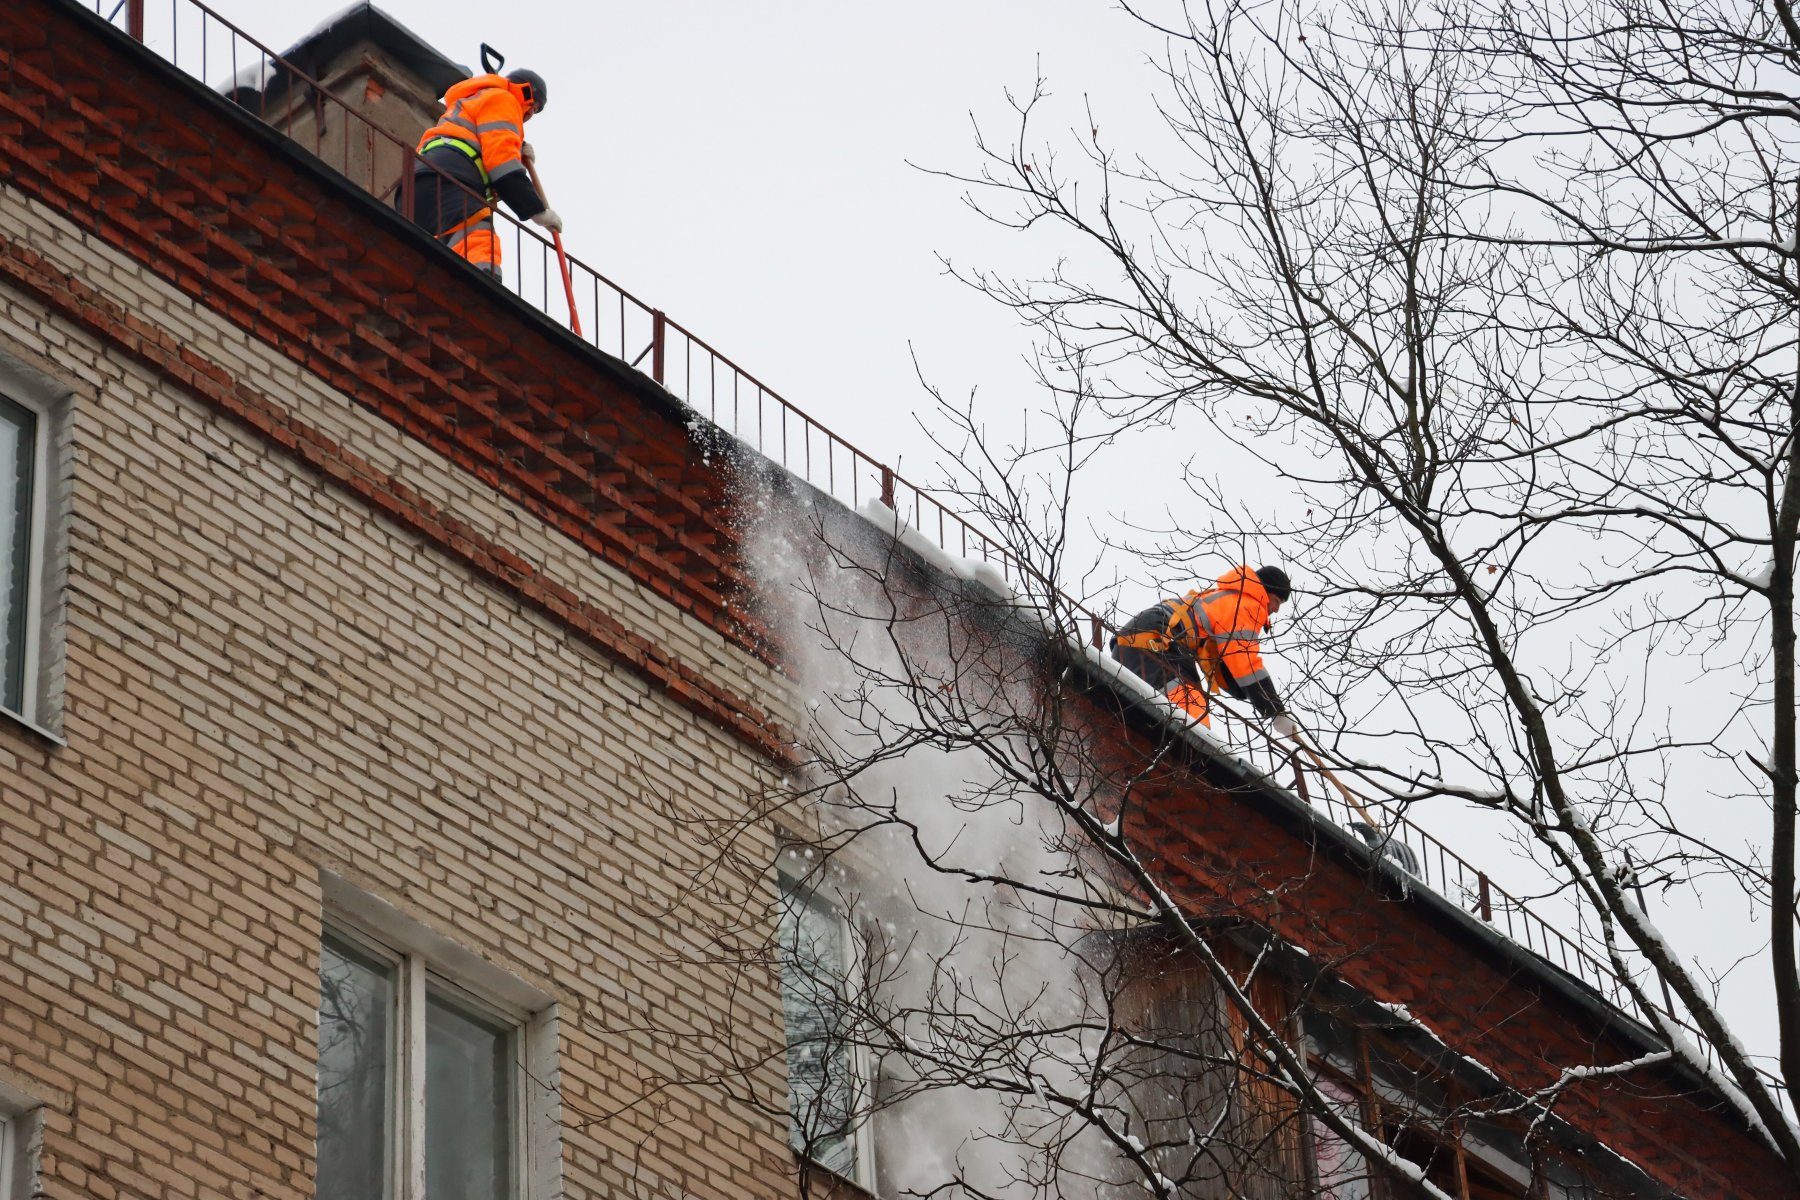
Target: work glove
pixel 548 219
pixel 1284 726
pixel 527 153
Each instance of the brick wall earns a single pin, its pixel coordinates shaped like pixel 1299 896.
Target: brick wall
pixel 1223 856
pixel 270 671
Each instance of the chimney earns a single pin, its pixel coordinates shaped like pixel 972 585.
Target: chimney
pixel 379 68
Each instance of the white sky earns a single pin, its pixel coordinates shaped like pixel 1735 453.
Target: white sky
pixel 744 166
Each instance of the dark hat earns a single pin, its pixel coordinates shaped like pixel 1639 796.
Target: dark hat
pixel 1275 582
pixel 533 83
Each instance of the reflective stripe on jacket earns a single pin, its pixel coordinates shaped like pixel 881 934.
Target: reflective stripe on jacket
pixel 486 116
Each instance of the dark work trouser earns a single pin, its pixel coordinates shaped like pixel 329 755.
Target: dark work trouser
pixel 459 216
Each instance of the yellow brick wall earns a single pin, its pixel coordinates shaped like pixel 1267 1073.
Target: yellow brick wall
pixel 263 681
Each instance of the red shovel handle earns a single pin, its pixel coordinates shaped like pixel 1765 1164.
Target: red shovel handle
pixel 561 257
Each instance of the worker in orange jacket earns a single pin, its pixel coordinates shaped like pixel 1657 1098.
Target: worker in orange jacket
pixel 479 143
pixel 1211 641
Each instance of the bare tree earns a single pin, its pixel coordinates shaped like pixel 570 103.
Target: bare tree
pixel 1497 307
pixel 1013 986
pixel 991 986
pixel 1502 297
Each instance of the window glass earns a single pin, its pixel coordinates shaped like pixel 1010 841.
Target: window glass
pixel 356 1073
pixel 1564 1182
pixel 1330 1041
pixel 821 1062
pixel 1497 1159
pixel 18 445
pixel 1343 1174
pixel 468 1103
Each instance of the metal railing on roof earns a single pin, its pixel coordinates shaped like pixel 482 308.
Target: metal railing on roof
pixel 1433 863
pixel 197 40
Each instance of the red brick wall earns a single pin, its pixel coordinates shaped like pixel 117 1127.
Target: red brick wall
pixel 1225 856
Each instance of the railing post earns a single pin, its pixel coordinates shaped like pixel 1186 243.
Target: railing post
pixel 134 18
pixel 658 329
pixel 1299 775
pixel 408 164
pixel 887 486
pixel 1099 631
pixel 1486 898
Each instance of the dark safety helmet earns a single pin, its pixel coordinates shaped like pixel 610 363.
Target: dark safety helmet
pixel 533 83
pixel 1275 582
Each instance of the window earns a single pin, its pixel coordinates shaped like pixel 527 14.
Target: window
pixel 1341 1171
pixel 1205 1112
pixel 426 1088
pixel 24 474
pixel 384 1017
pixel 1414 1110
pixel 827 1070
pixel 21 1129
pixel 358 1059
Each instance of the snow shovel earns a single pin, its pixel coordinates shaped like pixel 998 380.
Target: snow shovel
pixel 561 258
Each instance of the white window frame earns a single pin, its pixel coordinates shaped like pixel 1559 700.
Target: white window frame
pixel 31 698
pixel 21 1130
pixel 862 1066
pixel 424 959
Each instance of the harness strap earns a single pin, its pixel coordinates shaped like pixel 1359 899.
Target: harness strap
pixel 474 152
pixel 1181 613
pixel 456 235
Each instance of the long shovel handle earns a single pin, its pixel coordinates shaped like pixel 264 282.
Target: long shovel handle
pixel 561 257
pixel 1337 783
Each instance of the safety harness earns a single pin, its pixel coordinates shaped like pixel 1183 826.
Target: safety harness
pixel 474 152
pixel 1187 622
pixel 1185 617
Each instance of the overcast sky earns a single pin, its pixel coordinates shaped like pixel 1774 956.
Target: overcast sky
pixel 745 167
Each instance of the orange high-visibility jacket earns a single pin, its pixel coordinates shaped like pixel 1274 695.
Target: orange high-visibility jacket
pixel 1220 629
pixel 485 116
pixel 1235 613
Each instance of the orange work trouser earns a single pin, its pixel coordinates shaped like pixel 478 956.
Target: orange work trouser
pixel 1186 695
pixel 476 241
pixel 456 214
pixel 1164 671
